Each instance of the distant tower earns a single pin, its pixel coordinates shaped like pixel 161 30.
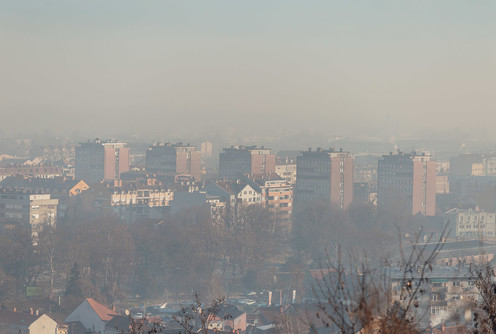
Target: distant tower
pixel 101 160
pixel 206 149
pixel 251 160
pixel 170 160
pixel 324 175
pixel 407 179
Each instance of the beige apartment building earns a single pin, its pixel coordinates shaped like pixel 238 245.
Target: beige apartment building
pixel 151 197
pixel 18 207
pixel 472 224
pixel 287 172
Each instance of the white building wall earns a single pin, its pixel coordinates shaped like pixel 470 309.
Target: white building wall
pixel 43 325
pixel 473 225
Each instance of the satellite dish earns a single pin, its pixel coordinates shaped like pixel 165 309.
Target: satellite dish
pixel 127 312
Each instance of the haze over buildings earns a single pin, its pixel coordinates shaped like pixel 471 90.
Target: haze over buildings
pixel 135 225
pixel 238 69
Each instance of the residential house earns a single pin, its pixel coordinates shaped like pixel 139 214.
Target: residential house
pixel 92 315
pixel 228 318
pixel 237 191
pixel 277 196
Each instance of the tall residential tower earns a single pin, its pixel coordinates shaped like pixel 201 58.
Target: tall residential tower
pixel 238 160
pixel 101 160
pixel 324 175
pixel 407 179
pixel 170 160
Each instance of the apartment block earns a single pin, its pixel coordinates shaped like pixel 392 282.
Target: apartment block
pixel 277 196
pixel 21 207
pixel 238 160
pixel 169 160
pixel 287 172
pixel 407 179
pixel 98 161
pixel 471 224
pixel 466 165
pixel 324 175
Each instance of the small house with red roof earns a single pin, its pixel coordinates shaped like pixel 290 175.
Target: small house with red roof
pixel 92 315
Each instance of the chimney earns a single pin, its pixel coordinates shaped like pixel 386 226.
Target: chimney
pixel 31 310
pixel 37 312
pixel 15 309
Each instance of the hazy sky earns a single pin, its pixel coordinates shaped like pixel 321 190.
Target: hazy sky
pixel 377 67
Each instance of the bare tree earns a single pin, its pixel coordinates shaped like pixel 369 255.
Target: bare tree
pixel 354 295
pixel 197 317
pixel 250 238
pixel 46 247
pixel 485 312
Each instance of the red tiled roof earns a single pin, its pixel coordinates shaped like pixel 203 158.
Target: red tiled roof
pixel 102 311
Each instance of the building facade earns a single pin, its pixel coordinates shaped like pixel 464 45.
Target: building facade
pixel 277 196
pixel 251 160
pixel 324 175
pixel 21 207
pixel 170 160
pixel 472 224
pixel 407 179
pixel 101 160
pixel 445 291
pixel 38 171
pixel 287 172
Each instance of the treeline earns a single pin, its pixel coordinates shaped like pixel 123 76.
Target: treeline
pixel 109 260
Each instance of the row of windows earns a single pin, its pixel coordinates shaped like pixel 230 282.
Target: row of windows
pixel 472 226
pixel 475 218
pixel 397 181
pixel 437 309
pixel 254 199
